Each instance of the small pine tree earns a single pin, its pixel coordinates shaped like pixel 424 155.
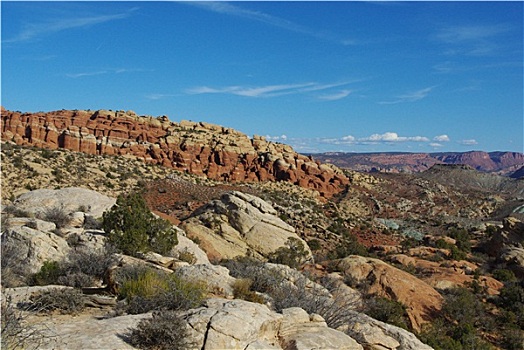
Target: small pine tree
pixel 132 228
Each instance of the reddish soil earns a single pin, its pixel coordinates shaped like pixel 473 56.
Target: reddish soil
pixel 176 199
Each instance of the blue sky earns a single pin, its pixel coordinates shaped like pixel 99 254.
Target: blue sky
pixel 320 76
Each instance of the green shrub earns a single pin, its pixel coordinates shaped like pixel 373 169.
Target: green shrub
pixel 132 228
pixel 157 290
pixel 504 275
pixel 513 339
pixel 292 255
pixel 435 336
pixel 187 257
pixel 408 243
pixel 91 223
pixel 47 154
pixel 242 290
pixel 348 246
pixel 165 330
pixel 314 244
pixel 388 311
pixel 460 326
pixel 442 244
pixel 511 299
pixel 146 285
pixel 456 254
pixel 48 274
pixel 462 306
pixel 462 238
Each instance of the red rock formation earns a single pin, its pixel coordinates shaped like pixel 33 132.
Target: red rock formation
pixel 200 148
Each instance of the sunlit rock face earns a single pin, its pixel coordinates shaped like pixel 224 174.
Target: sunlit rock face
pixel 204 149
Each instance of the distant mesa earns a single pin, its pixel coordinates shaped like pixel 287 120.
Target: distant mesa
pixel 502 163
pixel 199 148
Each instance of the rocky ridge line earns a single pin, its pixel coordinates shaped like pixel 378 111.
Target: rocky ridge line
pixel 502 163
pixel 204 149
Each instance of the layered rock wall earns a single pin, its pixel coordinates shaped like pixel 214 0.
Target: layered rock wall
pixel 200 148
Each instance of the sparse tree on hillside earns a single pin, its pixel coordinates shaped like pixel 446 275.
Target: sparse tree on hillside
pixel 132 228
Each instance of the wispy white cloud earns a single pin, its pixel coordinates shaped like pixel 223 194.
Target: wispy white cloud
pixel 469 142
pixel 436 145
pixel 336 96
pixel 104 71
pixel 460 34
pixel 260 91
pixel 39 57
pixel 410 97
pixel 273 90
pixel 473 40
pixel 445 67
pixel 442 138
pixel 155 96
pixel 387 137
pixel 85 74
pixel 235 10
pixel 393 137
pixel 38 29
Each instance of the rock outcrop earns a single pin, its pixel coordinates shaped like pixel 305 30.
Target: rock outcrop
pixel 374 334
pixel 421 300
pixel 70 200
pixel 34 246
pixel 200 148
pixel 453 274
pixel 507 245
pixel 239 224
pixel 217 326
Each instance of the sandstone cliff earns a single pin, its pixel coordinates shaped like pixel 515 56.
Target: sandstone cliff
pixel 203 149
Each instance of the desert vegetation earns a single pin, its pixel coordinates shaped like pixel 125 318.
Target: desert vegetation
pixel 482 297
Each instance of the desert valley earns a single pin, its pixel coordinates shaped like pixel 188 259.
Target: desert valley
pixel 122 231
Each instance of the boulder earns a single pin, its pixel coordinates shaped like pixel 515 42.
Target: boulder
pixel 239 224
pixel 299 330
pixel 216 277
pixel 35 247
pixel 239 324
pixel 377 335
pixel 513 257
pixel 70 199
pixel 233 324
pixel 507 244
pixel 158 259
pixel 187 246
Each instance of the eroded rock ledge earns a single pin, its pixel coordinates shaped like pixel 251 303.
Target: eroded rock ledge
pixel 204 149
